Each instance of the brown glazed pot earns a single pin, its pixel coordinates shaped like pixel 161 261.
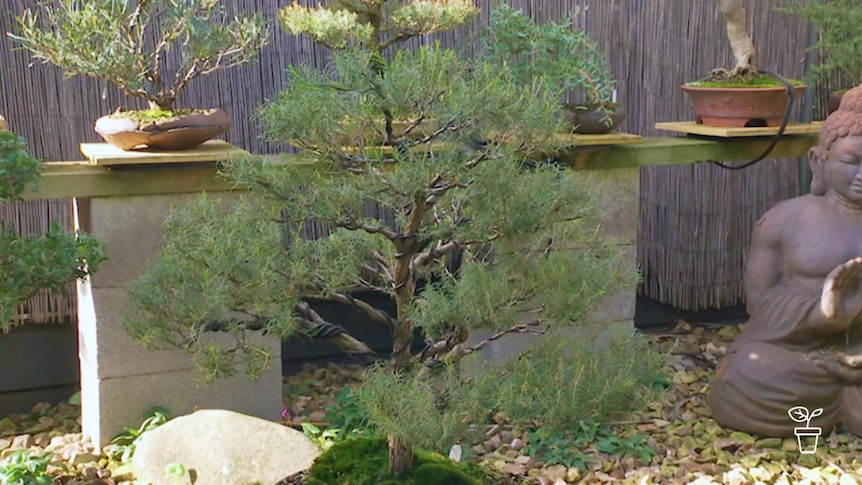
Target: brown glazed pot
pixel 591 121
pixel 182 132
pixel 740 107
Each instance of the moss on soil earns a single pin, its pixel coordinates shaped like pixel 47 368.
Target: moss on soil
pixel 758 81
pixel 365 461
pixel 151 115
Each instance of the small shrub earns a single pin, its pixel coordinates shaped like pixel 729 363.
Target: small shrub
pixel 565 380
pixel 126 442
pixel 346 419
pixel 24 468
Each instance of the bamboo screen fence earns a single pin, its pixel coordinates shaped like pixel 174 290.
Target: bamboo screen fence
pixel 695 220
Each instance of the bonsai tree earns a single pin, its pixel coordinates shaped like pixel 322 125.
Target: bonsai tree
pixel 29 264
pixel 565 56
pixel 111 40
pixel 740 41
pixel 840 40
pixel 483 236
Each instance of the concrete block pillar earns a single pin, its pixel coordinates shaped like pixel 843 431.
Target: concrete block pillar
pixel 121 380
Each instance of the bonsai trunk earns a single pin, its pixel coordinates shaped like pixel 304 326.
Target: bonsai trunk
pixel 400 456
pixel 737 34
pixel 162 103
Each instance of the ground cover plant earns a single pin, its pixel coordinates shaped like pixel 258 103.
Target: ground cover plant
pixel 481 236
pixel 30 264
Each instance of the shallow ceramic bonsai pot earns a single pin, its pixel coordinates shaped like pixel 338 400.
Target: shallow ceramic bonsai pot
pixel 587 119
pixel 181 132
pixel 740 107
pixel 835 100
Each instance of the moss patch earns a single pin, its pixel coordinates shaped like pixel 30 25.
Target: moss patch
pixel 151 115
pixel 757 81
pixel 365 461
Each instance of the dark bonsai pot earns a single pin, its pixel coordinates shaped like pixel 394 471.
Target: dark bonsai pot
pixel 740 107
pixel 590 119
pixel 183 131
pixel 835 100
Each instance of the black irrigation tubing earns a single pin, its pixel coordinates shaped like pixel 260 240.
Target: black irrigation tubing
pixel 789 86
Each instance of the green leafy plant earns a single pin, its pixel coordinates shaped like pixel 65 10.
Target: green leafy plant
pixel 572 448
pixel 30 264
pixel 125 443
pixel 601 373
pixel 345 419
pixel 566 56
pixel 112 40
pixel 840 39
pixel 25 468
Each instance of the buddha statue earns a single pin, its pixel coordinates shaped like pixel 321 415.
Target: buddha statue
pixel 802 345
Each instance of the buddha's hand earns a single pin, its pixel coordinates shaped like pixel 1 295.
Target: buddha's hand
pixel 841 300
pixel 846 368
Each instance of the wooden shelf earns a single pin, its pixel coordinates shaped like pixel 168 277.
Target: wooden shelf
pixel 692 128
pixel 106 155
pixel 613 138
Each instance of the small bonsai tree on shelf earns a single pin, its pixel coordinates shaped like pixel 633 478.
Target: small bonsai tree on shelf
pixel 482 235
pixel 840 42
pixel 565 56
pixel 29 264
pixel 111 40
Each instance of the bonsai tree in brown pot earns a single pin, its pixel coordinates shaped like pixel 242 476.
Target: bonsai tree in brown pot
pixel 741 96
pixel 567 56
pixel 150 49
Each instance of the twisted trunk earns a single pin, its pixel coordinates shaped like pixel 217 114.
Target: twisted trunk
pixel 737 33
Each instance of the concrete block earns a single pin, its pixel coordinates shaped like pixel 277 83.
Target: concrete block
pixel 106 349
pixel 131 228
pixel 616 194
pixel 109 405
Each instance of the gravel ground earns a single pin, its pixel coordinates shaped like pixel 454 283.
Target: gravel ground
pixel 690 446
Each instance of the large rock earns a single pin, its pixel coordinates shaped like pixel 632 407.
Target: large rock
pixel 223 448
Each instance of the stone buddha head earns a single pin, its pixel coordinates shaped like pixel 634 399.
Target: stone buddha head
pixel 836 162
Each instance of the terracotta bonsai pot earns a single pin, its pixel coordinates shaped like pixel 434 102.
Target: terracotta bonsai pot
pixel 588 120
pixel 740 107
pixel 178 133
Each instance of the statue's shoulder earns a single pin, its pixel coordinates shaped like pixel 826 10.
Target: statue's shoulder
pixel 792 210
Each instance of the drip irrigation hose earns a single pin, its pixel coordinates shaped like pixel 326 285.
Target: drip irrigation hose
pixel 790 98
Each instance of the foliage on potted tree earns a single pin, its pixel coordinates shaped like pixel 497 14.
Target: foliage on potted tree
pixel 482 236
pixel 742 96
pixel 840 41
pixel 112 41
pixel 29 264
pixel 565 56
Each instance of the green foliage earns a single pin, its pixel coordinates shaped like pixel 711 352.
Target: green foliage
pixel 374 25
pixel 346 419
pixel 112 40
pixel 363 461
pixel 429 412
pixel 29 264
pixel 566 56
pixel 125 443
pixel 556 447
pixel 743 81
pixel 840 39
pixel 566 380
pixel 24 468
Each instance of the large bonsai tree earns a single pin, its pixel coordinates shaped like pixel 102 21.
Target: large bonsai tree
pixel 111 40
pixel 483 236
pixel 29 264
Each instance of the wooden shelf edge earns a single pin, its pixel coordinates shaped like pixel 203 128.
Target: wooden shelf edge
pixel 692 128
pixel 106 155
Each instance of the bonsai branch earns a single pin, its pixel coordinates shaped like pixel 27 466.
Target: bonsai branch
pixel 371 312
pixel 349 222
pixel 318 328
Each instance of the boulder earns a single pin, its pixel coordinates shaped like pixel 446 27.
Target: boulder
pixel 222 448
